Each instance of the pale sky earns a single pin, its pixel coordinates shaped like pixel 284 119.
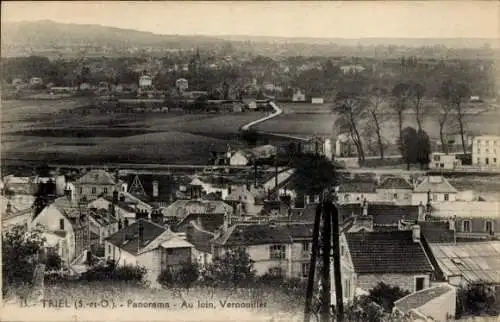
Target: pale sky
pixel 289 19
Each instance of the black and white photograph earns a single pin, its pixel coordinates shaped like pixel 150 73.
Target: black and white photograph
pixel 312 161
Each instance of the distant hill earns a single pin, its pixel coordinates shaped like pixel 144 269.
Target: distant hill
pixel 47 35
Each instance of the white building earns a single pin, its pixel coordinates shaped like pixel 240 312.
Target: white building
pixel 439 160
pixel 145 81
pixel 486 151
pixel 435 187
pixel 182 84
pixel 298 96
pixel 317 100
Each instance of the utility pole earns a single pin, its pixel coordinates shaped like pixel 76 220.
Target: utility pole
pixel 312 264
pixel 325 256
pixel 339 309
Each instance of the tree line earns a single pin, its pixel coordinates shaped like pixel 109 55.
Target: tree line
pixel 363 108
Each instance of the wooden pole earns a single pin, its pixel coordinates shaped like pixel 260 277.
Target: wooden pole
pixel 312 264
pixel 339 309
pixel 326 253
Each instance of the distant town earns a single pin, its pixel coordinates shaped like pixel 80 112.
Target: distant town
pixel 209 166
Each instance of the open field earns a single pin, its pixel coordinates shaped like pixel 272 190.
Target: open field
pixel 64 132
pixel 298 121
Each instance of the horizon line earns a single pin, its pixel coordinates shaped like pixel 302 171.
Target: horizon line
pixel 246 35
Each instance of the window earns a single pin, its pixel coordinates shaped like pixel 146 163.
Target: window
pixel 466 226
pixel 277 252
pixel 478 161
pixel 61 224
pixel 105 190
pixel 346 197
pixel 305 246
pixel 434 197
pixel 94 190
pixel 437 158
pixel 170 251
pixel 395 196
pixel 109 250
pixel 419 283
pixel 446 197
pixel 81 189
pixel 486 161
pixel 305 269
pixel 442 165
pixel 489 226
pixel 494 160
pixel 342 250
pixel 276 271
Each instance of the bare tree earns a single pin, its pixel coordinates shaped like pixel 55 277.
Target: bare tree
pixel 416 93
pixel 376 98
pixel 401 95
pixel 455 93
pixel 350 109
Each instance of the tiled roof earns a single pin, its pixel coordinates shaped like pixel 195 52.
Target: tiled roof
pixel 395 183
pixel 102 217
pixel 128 238
pixel 437 231
pixel 182 208
pixel 127 206
pixel 309 212
pixel 200 239
pixel 99 177
pixel 209 222
pixel 357 186
pixel 391 214
pixel 435 185
pixel 387 252
pixel 466 209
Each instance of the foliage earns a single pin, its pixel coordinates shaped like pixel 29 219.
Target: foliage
pixel 423 149
pixel 312 174
pixel 20 250
pixel 183 277
pixel 476 299
pixel 233 268
pixel 376 98
pixel 250 136
pixel 53 261
pixel 409 145
pixel 385 295
pixel 112 272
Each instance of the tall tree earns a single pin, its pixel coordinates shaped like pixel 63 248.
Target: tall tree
pixel 423 149
pixel 443 115
pixel 409 145
pixel 376 98
pixel 401 95
pixel 417 92
pixel 350 107
pixel 455 93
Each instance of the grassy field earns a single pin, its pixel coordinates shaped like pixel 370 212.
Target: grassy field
pixel 64 131
pixel 308 119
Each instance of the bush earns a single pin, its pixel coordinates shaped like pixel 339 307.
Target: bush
pixel 111 272
pixel 233 269
pixel 385 295
pixel 183 277
pixel 476 299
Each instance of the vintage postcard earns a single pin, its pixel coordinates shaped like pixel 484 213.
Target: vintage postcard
pixel 250 161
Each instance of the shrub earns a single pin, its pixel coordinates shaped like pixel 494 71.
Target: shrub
pixel 183 277
pixel 111 272
pixel 475 299
pixel 385 295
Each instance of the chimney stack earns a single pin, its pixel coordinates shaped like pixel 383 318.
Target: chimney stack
pixel 115 197
pixel 155 189
pixel 422 212
pixel 365 207
pixel 415 229
pixel 68 193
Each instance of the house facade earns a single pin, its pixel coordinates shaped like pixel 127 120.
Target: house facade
pixel 435 189
pixel 439 160
pixel 278 249
pixel 149 245
pixel 486 151
pixel 395 189
pixel 357 191
pixel 94 184
pixel 396 258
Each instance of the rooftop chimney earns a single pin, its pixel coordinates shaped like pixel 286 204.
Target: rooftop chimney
pixel 115 197
pixel 422 212
pixel 68 193
pixel 415 229
pixel 155 189
pixel 365 207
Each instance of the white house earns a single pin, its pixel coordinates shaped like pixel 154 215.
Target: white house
pixel 298 95
pixel 241 157
pixel 317 100
pixel 145 81
pixel 279 249
pixel 149 245
pixel 437 188
pixel 181 84
pixel 439 160
pixel 486 151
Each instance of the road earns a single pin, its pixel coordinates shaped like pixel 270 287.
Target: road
pixel 277 111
